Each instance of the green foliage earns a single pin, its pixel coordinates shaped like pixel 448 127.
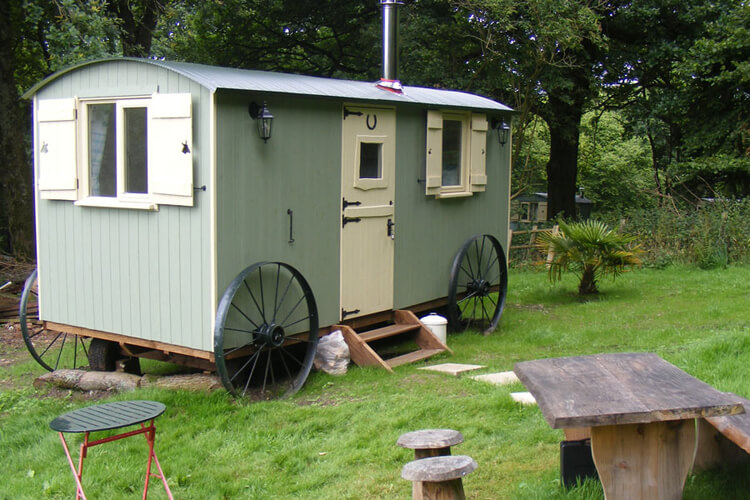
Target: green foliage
pixel 714 234
pixel 614 166
pixel 67 32
pixel 590 250
pixel 682 66
pixel 305 36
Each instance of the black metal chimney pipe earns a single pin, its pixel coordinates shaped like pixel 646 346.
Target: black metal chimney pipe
pixel 389 80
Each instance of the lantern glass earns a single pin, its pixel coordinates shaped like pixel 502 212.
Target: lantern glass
pixel 503 131
pixel 264 120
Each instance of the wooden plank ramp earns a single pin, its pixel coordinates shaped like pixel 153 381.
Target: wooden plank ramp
pixel 404 322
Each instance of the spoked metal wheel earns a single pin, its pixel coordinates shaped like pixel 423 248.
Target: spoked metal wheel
pixel 52 349
pixel 478 284
pixel 266 332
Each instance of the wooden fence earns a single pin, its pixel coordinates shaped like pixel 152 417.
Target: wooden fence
pixel 531 245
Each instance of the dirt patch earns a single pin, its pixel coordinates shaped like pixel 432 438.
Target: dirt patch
pixel 321 401
pixel 11 341
pixel 532 307
pixel 13 351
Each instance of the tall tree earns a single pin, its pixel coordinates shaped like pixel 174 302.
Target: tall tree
pixel 543 55
pixel 16 210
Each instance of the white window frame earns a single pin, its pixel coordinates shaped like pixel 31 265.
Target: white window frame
pixel 472 176
pixel 122 198
pixel 463 176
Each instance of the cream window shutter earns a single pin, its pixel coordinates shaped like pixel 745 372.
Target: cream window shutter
pixel 478 168
pixel 56 153
pixel 170 149
pixel 434 163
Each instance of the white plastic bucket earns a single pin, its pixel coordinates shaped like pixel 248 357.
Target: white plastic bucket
pixel 437 325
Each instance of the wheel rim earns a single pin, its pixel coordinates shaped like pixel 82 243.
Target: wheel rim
pixel 53 350
pixel 266 332
pixel 478 284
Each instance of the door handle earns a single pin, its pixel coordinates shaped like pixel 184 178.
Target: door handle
pixel 389 229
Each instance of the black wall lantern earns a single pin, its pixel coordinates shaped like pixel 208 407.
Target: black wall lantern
pixel 264 119
pixel 503 130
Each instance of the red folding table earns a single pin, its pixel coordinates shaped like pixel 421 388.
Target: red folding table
pixel 106 417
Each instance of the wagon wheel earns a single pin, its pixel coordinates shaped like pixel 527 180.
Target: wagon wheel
pixel 52 349
pixel 478 284
pixel 266 332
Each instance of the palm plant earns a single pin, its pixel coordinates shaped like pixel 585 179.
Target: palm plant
pixel 589 249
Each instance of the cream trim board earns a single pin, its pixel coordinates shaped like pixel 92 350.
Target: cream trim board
pixel 37 196
pixel 213 282
pixel 371 211
pixel 107 202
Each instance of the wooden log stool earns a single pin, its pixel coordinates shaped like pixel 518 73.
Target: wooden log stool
pixel 438 478
pixel 430 442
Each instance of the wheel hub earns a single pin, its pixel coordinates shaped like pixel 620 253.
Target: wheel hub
pixel 479 287
pixel 271 334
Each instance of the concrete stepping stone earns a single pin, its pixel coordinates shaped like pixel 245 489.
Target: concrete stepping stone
pixel 502 378
pixel 454 369
pixel 525 398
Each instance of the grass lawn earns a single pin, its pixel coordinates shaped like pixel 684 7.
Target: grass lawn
pixel 336 438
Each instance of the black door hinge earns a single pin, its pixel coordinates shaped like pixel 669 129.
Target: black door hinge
pixel 346 220
pixel 345 203
pixel 347 113
pixel 345 313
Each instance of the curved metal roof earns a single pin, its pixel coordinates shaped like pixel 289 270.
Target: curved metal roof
pixel 216 78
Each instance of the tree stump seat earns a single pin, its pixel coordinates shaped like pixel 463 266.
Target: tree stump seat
pixel 438 478
pixel 430 442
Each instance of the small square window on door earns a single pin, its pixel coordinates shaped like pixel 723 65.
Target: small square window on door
pixel 370 160
pixel 369 157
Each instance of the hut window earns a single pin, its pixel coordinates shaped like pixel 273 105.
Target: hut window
pixel 116 150
pixel 102 150
pixel 452 152
pixel 456 144
pixel 136 150
pixel 370 163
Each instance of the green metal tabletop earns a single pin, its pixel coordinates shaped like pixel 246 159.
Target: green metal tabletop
pixel 107 416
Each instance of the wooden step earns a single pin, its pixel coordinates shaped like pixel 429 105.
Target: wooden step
pixel 387 331
pixel 412 357
pixel 362 354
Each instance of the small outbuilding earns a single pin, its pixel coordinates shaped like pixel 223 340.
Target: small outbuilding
pixel 532 208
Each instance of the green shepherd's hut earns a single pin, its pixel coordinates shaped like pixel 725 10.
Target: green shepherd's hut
pixel 226 218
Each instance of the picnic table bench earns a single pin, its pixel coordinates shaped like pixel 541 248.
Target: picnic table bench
pixel 723 440
pixel 641 411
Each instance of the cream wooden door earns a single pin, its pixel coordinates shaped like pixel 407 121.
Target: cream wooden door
pixel 367 210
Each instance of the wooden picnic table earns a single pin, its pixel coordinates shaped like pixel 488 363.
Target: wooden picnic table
pixel 641 411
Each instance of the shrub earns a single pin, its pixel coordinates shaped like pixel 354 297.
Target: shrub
pixel 712 234
pixel 591 250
